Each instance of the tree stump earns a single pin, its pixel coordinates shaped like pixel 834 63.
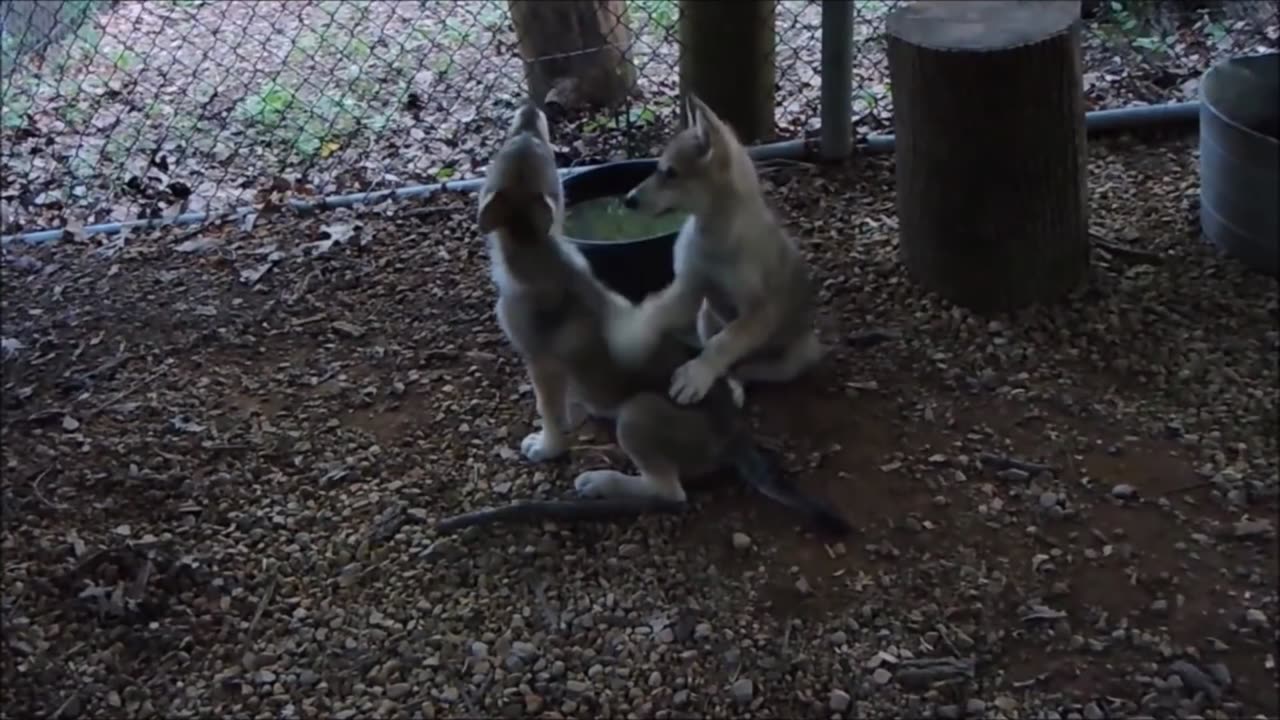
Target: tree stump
pixel 727 52
pixel 576 52
pixel 988 112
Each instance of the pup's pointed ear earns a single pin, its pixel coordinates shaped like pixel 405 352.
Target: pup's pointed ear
pixel 493 210
pixel 703 121
pixel 690 119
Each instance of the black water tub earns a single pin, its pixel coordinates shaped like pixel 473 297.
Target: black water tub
pixel 634 268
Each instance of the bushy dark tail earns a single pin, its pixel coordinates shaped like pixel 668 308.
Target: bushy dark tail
pixel 761 470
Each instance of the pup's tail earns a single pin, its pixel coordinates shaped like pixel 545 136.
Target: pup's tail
pixel 761 470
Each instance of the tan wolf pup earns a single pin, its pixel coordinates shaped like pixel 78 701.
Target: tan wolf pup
pixel 736 269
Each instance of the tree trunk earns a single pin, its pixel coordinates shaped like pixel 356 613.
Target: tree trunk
pixel 990 149
pixel 727 60
pixel 576 52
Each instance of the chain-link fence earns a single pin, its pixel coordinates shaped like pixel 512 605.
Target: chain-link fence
pixel 119 110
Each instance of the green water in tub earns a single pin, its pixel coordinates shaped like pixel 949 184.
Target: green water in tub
pixel 606 219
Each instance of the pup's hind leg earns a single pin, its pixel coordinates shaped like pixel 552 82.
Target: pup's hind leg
pixel 799 357
pixel 664 441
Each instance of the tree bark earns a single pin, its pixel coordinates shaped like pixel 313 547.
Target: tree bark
pixel 576 52
pixel 727 59
pixel 990 149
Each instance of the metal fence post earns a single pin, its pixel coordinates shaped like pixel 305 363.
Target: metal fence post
pixel 837 79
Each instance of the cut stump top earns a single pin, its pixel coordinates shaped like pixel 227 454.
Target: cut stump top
pixel 981 25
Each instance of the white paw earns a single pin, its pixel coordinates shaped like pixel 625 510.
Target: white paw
pixel 614 484
pixel 542 446
pixel 598 483
pixel 739 393
pixel 692 381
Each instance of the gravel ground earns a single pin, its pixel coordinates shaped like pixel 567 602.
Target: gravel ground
pixel 224 453
pixel 163 107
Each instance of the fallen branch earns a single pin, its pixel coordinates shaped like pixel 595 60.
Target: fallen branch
pixel 870 338
pixel 35 489
pixel 262 606
pixel 1005 463
pixel 145 380
pixel 1125 251
pixel 922 672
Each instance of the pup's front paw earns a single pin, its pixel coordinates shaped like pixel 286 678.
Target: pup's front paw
pixel 692 381
pixel 600 483
pixel 542 446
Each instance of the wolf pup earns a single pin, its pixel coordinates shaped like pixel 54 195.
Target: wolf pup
pixel 735 267
pixel 560 319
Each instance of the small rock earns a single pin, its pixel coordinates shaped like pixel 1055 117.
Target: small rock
pixel 1093 712
pixel 1015 475
pixel 1194 678
pixel 741 541
pixel 576 687
pixel 1160 606
pixel 398 690
pixel 630 550
pixel 1124 491
pixel 881 676
pixel 840 701
pixel 974 706
pixel 1006 704
pixel 1048 500
pixel 803 587
pixel 742 691
pixel 702 631
pixel 1220 674
pixel 839 637
pixel 308 678
pixel 351 330
pixel 1246 529
pixel 947 712
pixel 1256 617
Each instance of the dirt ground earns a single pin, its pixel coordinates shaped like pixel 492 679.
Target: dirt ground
pixel 224 453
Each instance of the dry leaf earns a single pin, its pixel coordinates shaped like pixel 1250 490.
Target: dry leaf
pixel 199 244
pixel 10 346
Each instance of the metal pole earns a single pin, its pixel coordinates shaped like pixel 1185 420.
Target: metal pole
pixel 837 79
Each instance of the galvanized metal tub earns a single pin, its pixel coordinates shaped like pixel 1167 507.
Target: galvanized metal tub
pixel 1240 159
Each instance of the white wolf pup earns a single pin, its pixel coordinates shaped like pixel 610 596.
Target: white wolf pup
pixel 736 270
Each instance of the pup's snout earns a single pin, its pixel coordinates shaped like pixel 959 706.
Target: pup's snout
pixel 630 202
